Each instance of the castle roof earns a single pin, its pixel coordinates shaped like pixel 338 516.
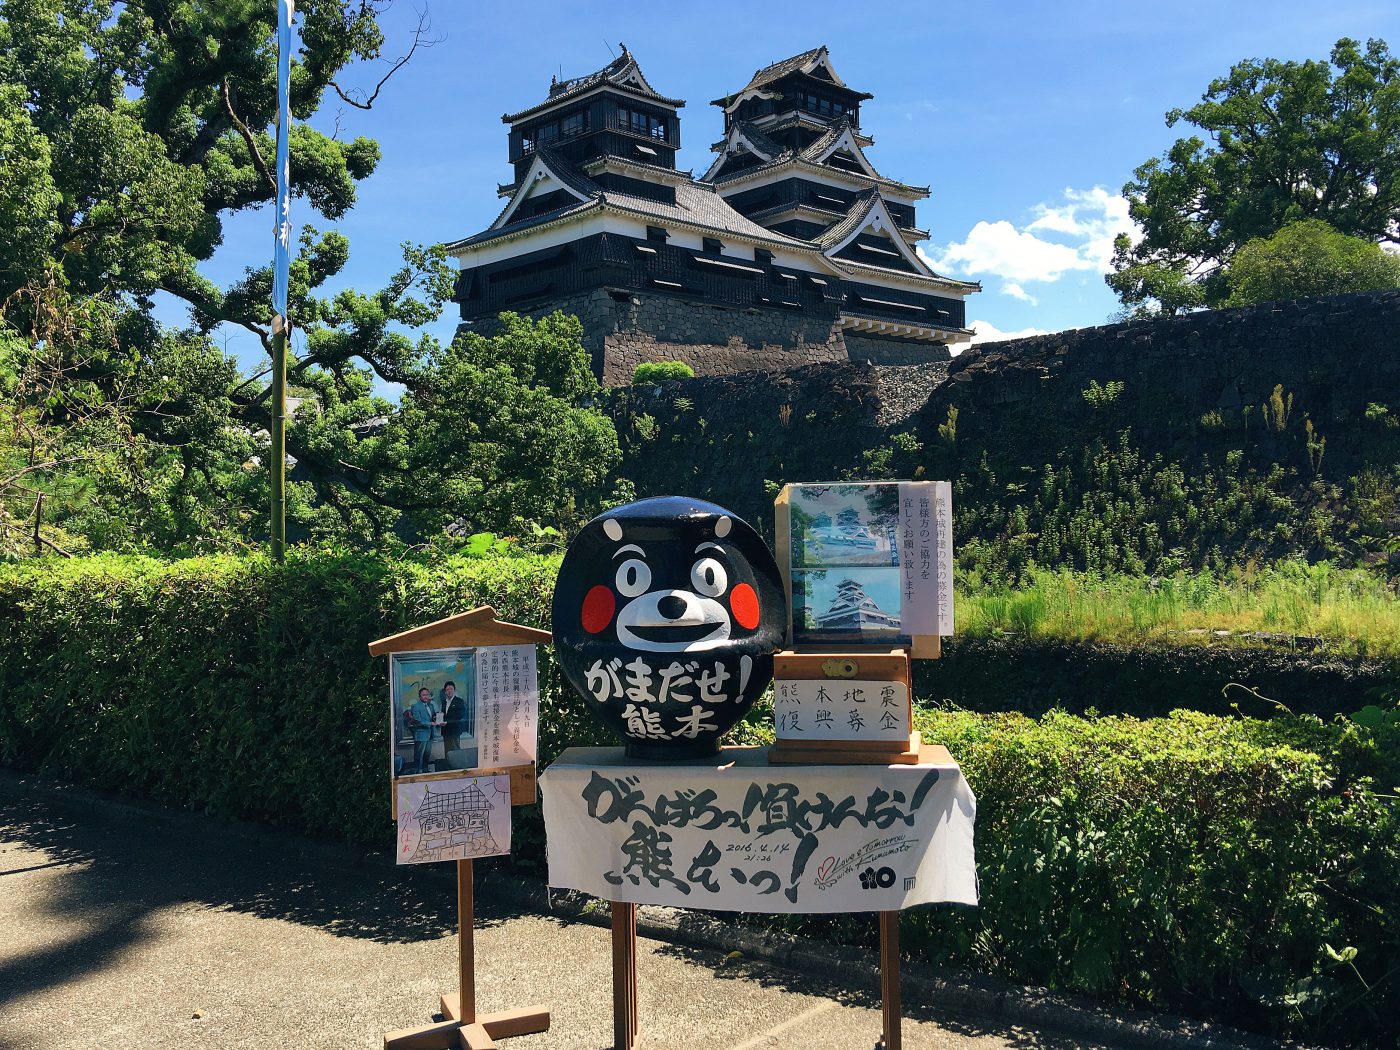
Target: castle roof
pixel 807 62
pixel 813 156
pixel 622 72
pixel 697 205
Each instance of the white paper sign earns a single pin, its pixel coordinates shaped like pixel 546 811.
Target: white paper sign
pixel 453 818
pixel 926 557
pixel 733 834
pixel 840 709
pixel 508 705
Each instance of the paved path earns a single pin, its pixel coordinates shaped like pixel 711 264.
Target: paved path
pixel 125 932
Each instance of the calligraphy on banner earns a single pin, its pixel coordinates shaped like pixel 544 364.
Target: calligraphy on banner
pixel 840 710
pixel 741 838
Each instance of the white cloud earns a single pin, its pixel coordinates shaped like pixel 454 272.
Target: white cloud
pixel 1074 234
pixel 986 332
pixel 1000 250
pixel 1014 290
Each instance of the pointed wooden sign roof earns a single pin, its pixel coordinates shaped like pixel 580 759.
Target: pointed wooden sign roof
pixel 475 627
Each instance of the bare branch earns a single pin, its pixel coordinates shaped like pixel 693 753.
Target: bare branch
pixel 420 39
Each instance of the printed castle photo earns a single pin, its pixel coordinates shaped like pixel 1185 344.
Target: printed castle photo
pixel 846 605
pixel 845 525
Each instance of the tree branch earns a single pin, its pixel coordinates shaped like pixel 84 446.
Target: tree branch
pixel 248 139
pixel 419 40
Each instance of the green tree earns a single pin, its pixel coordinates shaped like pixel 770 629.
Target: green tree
pixel 130 134
pixel 1308 258
pixel 1284 142
pixel 498 433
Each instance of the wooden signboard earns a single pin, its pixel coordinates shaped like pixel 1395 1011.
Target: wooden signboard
pixel 462 1026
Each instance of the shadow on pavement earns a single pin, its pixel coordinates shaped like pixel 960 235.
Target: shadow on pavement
pixel 107 876
pixel 773 976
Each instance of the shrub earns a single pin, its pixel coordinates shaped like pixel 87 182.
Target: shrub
pixel 1196 863
pixel 661 372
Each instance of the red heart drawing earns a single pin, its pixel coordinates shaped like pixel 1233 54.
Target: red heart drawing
pixel 824 868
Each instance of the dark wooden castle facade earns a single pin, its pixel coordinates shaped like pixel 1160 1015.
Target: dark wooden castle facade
pixel 790 249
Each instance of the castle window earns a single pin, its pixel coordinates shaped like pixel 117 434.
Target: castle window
pixel 546 133
pixel 575 125
pixel 656 233
pixel 763 256
pixel 638 123
pixel 712 245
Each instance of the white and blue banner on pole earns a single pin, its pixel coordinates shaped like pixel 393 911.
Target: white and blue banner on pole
pixel 282 246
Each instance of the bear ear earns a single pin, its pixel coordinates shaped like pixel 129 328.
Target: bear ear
pixel 723 526
pixel 612 528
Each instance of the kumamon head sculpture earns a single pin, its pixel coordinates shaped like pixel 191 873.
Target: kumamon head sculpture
pixel 667 613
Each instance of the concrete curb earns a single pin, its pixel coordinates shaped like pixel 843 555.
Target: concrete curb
pixel 983 997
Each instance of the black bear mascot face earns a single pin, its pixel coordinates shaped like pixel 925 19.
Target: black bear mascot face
pixel 667 613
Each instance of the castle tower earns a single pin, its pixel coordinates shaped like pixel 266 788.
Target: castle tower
pixel 658 265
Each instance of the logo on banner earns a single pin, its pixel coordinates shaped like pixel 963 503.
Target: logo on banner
pixel 883 879
pixel 872 877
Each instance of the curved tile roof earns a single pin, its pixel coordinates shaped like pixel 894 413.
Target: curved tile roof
pixel 622 72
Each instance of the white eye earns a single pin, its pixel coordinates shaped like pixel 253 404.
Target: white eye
pixel 633 577
pixel 708 577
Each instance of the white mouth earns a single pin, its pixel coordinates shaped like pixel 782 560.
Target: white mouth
pixel 704 624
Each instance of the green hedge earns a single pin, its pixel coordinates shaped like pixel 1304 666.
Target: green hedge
pixel 1195 863
pixel 999 672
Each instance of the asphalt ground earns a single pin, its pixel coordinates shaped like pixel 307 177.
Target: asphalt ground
pixel 121 930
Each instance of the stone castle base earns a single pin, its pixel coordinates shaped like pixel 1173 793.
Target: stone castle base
pixel 624 328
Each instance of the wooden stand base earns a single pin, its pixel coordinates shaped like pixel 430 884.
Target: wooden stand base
pixel 462 1027
pixel 866 753
pixel 624 975
pixel 624 980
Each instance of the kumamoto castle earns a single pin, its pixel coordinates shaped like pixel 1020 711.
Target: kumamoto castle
pixel 791 249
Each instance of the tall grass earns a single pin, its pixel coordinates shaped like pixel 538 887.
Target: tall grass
pixel 1348 610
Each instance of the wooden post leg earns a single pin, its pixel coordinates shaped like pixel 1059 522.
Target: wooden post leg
pixel 624 974
pixel 466 948
pixel 893 1037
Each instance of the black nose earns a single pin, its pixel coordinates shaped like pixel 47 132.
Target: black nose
pixel 671 606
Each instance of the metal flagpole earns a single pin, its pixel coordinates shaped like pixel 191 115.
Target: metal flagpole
pixel 281 261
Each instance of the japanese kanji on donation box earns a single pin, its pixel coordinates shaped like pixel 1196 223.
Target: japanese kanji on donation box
pixel 735 834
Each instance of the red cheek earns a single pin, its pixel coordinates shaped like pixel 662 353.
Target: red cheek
pixel 744 601
pixel 598 607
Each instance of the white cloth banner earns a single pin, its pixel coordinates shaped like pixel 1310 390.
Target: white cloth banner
pixel 732 833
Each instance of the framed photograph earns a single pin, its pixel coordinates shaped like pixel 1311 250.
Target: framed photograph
pixel 846 604
pixel 868 563
pixel 845 525
pixel 454 710
pixel 434 711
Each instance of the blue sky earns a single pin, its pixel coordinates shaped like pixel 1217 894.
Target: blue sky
pixel 1024 119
